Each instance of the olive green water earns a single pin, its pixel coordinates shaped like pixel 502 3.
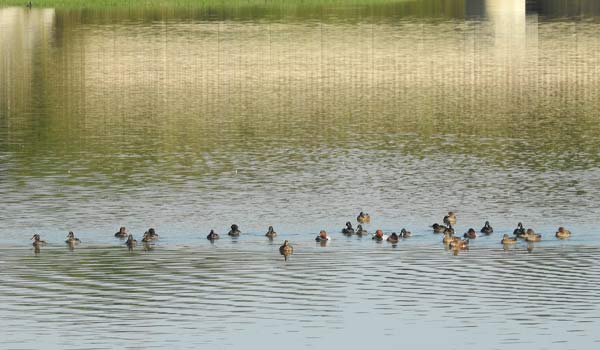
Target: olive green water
pixel 188 119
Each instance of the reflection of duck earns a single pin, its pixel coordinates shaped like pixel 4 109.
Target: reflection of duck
pixel 450 219
pixel 37 241
pixel 487 229
pixel 471 234
pixel 271 233
pixel 531 236
pixel 448 237
pixel 363 218
pixel 519 231
pixel 322 236
pixel 437 228
pixel 393 238
pixel 130 243
pixel 508 240
pixel 563 233
pixel 28 5
pixel 361 231
pixel 379 236
pixel 71 239
pixel 348 230
pixel 122 232
pixel 235 231
pixel 286 249
pixel 212 235
pixel 405 234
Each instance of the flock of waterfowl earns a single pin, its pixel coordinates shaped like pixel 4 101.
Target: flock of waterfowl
pixel 449 238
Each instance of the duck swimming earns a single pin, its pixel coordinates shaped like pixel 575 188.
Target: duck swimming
pixel 360 230
pixel 271 233
pixel 379 236
pixel 459 244
pixel 322 236
pixel 531 236
pixel 471 234
pixel 363 218
pixel 348 230
pixel 286 249
pixel 487 229
pixel 235 231
pixel 437 228
pixel 130 243
pixel 212 235
pixel 562 233
pixel 405 234
pixel 122 232
pixel 448 237
pixel 450 219
pixel 506 239
pixel 519 231
pixel 150 235
pixel 393 238
pixel 71 239
pixel 37 241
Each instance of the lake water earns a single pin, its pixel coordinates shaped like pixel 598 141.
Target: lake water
pixel 189 119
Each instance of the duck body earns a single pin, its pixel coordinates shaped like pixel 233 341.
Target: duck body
pixel 122 233
pixel 130 243
pixel 361 231
pixel 348 230
pixel 150 236
pixel 271 233
pixel 470 234
pixel 286 249
pixel 506 239
pixel 459 244
pixel 235 231
pixel 450 219
pixel 487 229
pixel 363 218
pixel 404 233
pixel 37 241
pixel 562 233
pixel 437 228
pixel 519 231
pixel 532 236
pixel 393 238
pixel 212 236
pixel 71 239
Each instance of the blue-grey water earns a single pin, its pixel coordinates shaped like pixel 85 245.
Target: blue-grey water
pixel 193 119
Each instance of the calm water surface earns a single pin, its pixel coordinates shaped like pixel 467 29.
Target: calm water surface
pixel 299 117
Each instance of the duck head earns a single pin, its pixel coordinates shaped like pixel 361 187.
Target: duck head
pixel 271 229
pixel 379 233
pixel 348 224
pixel 323 234
pixel 151 232
pixel 234 227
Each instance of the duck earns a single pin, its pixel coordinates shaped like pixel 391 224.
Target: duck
pixel 122 233
pixel 212 235
pixel 360 230
pixel 286 248
pixel 471 234
pixel 532 236
pixel 271 233
pixel 449 229
pixel 487 229
pixel 563 233
pixel 459 244
pixel 71 239
pixel 506 239
pixel 450 219
pixel 393 238
pixel 235 231
pixel 322 236
pixel 150 235
pixel 519 231
pixel 405 234
pixel 37 241
pixel 379 236
pixel 448 237
pixel 130 243
pixel 348 230
pixel 437 228
pixel 363 218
